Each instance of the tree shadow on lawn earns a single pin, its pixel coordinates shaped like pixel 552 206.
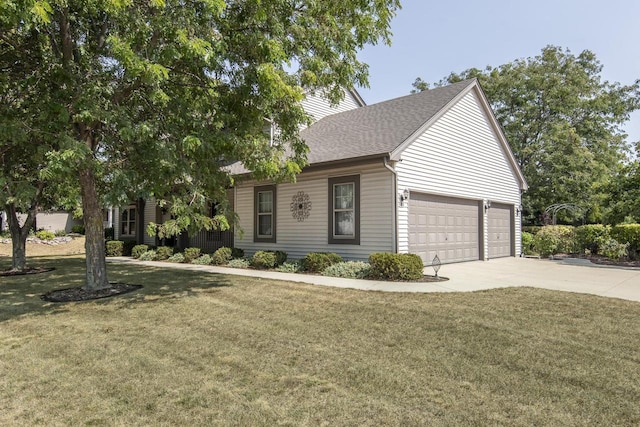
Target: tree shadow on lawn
pixel 21 295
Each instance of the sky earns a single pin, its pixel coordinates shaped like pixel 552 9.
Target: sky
pixel 433 38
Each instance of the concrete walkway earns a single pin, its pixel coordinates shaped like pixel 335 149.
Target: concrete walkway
pixel 570 275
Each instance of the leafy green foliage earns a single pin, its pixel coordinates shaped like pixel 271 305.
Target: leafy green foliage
pixel 293 266
pixel 221 256
pixel 613 249
pixel 388 266
pixel 264 259
pixel 590 237
pixel 281 257
pixel 177 257
pixel 114 248
pixel 563 124
pixel 316 262
pixel 628 233
pixel 109 233
pixel 163 252
pixel 623 198
pixel 527 243
pixel 60 233
pixel 138 250
pixel 149 255
pixel 128 247
pixel 239 263
pixel 202 260
pixel 45 235
pixel 190 254
pixel 155 99
pixel 554 239
pixel 78 228
pixel 348 270
pixel 237 253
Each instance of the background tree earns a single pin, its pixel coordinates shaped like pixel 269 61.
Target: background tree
pixel 623 195
pixel 563 124
pixel 160 95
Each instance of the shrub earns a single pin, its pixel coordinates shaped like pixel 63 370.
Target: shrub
pixel 128 247
pixel 316 262
pixel 45 235
pixel 109 233
pixel 390 266
pixel 78 228
pixel 290 267
pixel 237 253
pixel 138 250
pixel 190 254
pixel 114 248
pixel 60 233
pixel 281 257
pixel 264 259
pixel 222 256
pixel 614 250
pixel 202 260
pixel 628 233
pixel 148 256
pixel 591 237
pixel 527 243
pixel 176 258
pixel 531 229
pixel 348 270
pixel 554 239
pixel 163 252
pixel 239 263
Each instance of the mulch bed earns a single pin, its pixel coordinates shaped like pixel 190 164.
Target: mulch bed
pixel 31 270
pixel 80 294
pixel 597 259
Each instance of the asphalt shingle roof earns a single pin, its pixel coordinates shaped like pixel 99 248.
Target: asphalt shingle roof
pixel 376 129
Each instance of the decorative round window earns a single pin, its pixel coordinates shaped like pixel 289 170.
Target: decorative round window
pixel 300 206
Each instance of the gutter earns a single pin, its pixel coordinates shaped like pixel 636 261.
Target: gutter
pixel 394 200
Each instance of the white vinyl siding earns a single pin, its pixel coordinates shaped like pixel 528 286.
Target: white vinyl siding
pixel 460 156
pixel 149 216
pixel 319 107
pixel 298 238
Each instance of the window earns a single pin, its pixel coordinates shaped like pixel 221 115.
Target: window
pixel 264 214
pixel 344 210
pixel 128 221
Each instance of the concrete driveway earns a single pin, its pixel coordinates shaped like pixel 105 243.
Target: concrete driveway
pixel 571 275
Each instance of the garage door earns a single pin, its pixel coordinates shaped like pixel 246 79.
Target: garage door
pixel 445 226
pixel 500 226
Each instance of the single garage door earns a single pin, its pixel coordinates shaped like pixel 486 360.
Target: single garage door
pixel 500 230
pixel 445 226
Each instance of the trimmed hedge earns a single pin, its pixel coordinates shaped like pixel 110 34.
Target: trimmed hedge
pixel 78 228
pixel 190 254
pixel 527 243
pixel 237 253
pixel 138 250
pixel 591 237
pixel 163 252
pixel 202 260
pixel 628 233
pixel 390 266
pixel 148 256
pixel 348 270
pixel 264 259
pixel 114 248
pixel 45 235
pixel 555 239
pixel 316 262
pixel 222 256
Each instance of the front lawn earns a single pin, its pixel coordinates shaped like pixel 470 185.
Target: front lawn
pixel 206 349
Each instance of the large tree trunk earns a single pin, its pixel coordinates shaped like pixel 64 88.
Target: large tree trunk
pixel 96 277
pixel 19 236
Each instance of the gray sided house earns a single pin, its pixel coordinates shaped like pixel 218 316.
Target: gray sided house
pixel 429 173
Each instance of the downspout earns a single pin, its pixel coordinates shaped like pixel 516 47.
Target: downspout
pixel 395 203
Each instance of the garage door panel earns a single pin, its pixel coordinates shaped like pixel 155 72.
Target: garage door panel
pixel 451 229
pixel 500 223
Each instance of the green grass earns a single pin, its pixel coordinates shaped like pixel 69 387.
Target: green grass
pixel 205 349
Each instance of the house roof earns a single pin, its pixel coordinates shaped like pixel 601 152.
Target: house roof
pixel 376 129
pixel 386 128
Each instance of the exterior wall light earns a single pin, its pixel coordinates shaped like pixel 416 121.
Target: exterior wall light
pixel 487 206
pixel 404 196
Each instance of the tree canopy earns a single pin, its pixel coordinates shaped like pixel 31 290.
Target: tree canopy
pixel 563 123
pixel 155 98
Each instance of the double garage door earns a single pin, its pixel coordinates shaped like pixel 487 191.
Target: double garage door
pixel 452 228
